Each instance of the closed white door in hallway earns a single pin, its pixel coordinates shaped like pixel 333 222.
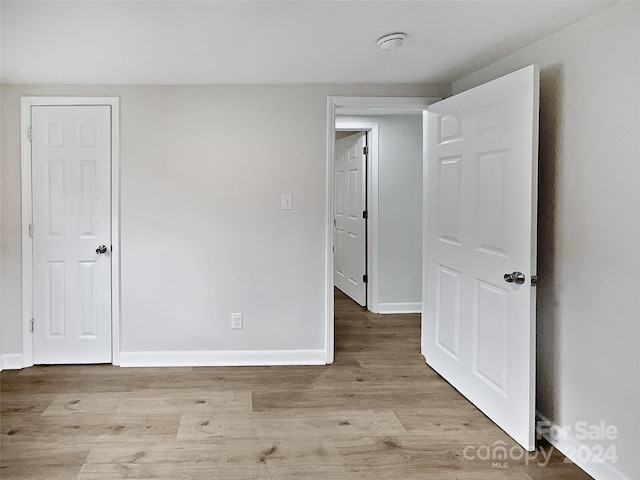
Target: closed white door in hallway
pixel 350 223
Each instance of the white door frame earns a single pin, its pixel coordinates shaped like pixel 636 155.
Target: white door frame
pixel 406 103
pixel 27 216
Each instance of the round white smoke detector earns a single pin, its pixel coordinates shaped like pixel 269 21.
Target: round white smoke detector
pixel 391 41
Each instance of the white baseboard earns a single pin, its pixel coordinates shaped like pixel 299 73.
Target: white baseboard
pixel 411 307
pixel 11 361
pixel 564 440
pixel 223 358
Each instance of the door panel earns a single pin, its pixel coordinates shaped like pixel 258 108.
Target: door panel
pixel 490 335
pixel 480 217
pixel 71 171
pixel 350 225
pixel 450 177
pixel 447 335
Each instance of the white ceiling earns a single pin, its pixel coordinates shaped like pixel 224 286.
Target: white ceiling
pixel 244 42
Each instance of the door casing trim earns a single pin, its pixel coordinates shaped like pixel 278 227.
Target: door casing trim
pixel 27 215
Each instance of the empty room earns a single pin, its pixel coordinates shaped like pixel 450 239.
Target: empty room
pixel 320 240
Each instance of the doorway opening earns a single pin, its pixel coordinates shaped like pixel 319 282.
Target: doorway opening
pixel 358 114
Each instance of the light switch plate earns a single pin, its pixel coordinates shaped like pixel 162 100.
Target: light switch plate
pixel 287 201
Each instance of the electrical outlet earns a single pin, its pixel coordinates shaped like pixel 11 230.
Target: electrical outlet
pixel 236 321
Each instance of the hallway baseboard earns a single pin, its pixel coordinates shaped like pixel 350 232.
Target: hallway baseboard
pixel 412 307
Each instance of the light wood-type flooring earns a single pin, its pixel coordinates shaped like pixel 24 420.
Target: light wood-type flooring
pixel 377 413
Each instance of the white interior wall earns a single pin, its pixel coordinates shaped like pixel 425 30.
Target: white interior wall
pixel 399 210
pixel 202 232
pixel 589 228
pixel 400 213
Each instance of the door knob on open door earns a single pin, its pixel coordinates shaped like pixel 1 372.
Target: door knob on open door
pixel 101 249
pixel 515 277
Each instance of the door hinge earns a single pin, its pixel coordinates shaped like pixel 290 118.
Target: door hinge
pixel 365 278
pixel 365 214
pixel 31 325
pixel 365 150
pixel 31 229
pixel 29 134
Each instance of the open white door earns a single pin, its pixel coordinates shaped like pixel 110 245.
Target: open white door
pixel 480 247
pixel 350 260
